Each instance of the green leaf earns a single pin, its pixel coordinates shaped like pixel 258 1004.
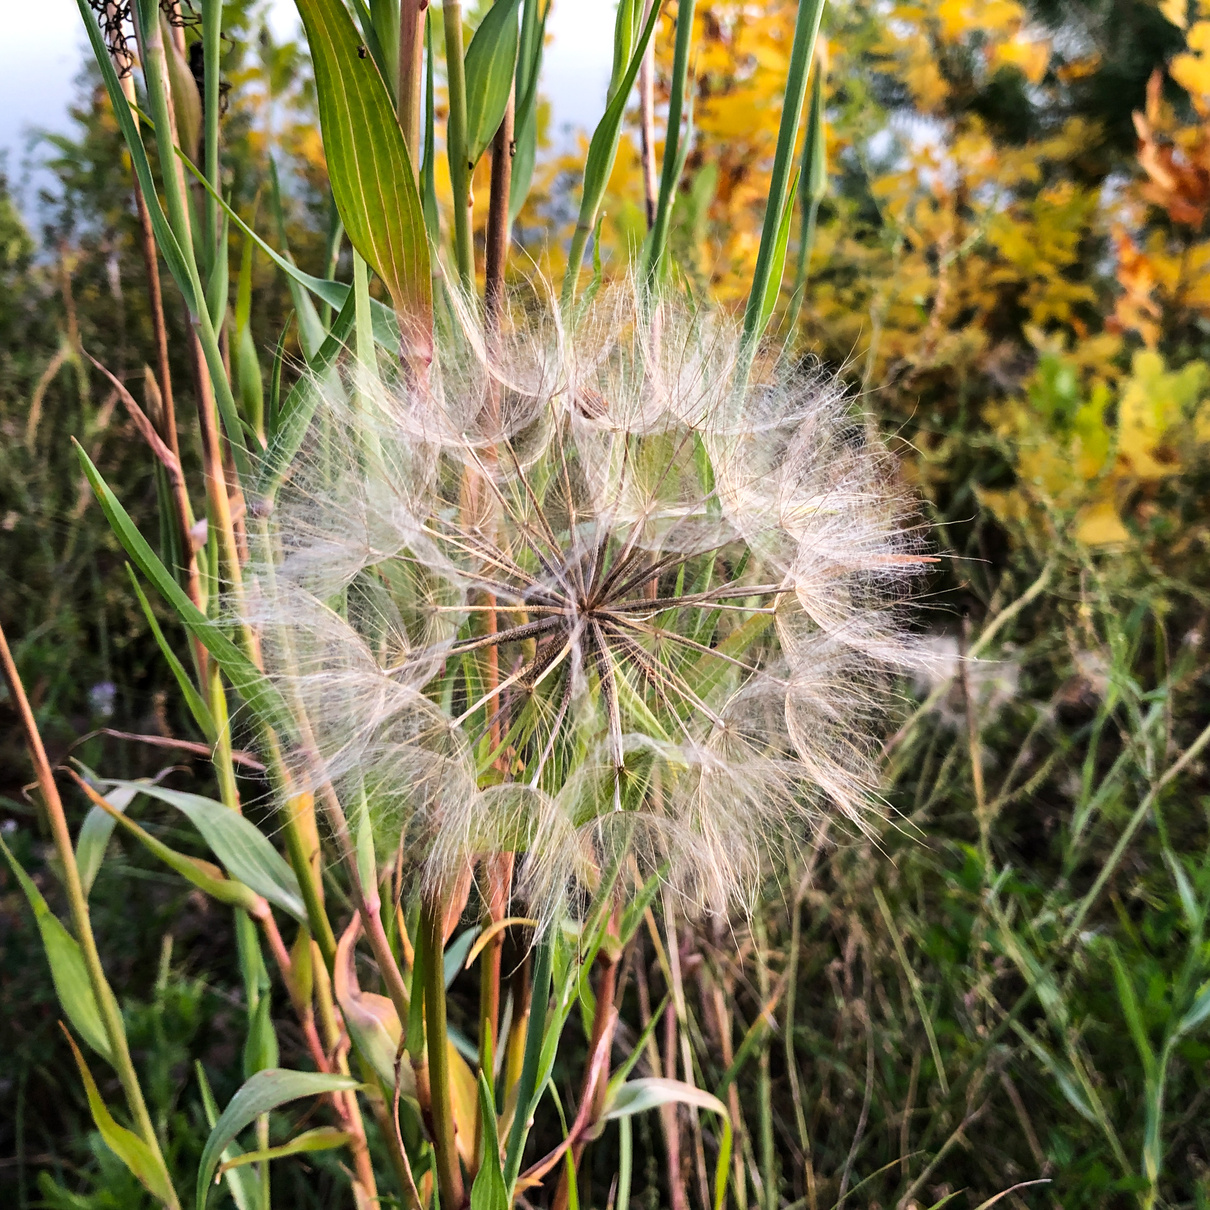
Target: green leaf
pixel 94 836
pixel 186 100
pixel 262 697
pixel 1194 912
pixel 638 1096
pixel 525 128
pixel 370 169
pixel 456 952
pixel 247 367
pixel 67 970
pixel 310 326
pixel 602 151
pixel 620 1076
pixel 488 1192
pixel 193 699
pixel 125 1144
pixel 334 293
pixel 529 1087
pixel 778 267
pixel 676 149
pixel 218 287
pixel 415 1026
pixel 279 354
pixel 243 1185
pixel 260 1046
pixel 206 877
pixel 1198 1012
pixel 239 844
pixel 264 1092
pixel 369 31
pixel 321 1138
pixel 490 62
pixel 428 171
pixel 632 914
pixel 802 50
pixel 814 178
pixel 1132 1011
pixel 1062 1076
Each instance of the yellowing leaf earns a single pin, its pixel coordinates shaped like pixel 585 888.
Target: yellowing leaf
pixel 1100 525
pixel 1176 12
pixel 125 1144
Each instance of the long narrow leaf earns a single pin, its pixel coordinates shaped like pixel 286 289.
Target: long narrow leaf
pixel 806 29
pixel 641 1095
pixel 208 878
pixel 370 169
pixel 602 152
pixel 94 835
pixel 490 62
pixel 125 1144
pixel 264 1091
pixel 193 699
pixel 261 696
pixel 239 844
pixel 67 970
pixel 320 1138
pixel 674 153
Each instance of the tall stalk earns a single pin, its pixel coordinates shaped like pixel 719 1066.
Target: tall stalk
pixel 802 50
pixel 497 213
pixel 455 142
pixel 449 1169
pixel 408 94
pixel 673 157
pixel 77 902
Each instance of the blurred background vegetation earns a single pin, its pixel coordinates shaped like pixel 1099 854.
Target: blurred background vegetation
pixel 1011 263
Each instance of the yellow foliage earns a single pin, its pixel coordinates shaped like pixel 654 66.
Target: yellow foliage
pixel 957 272
pixel 1079 469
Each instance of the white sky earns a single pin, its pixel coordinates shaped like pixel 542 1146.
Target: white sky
pixel 44 44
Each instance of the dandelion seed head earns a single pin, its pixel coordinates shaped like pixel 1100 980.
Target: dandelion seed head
pixel 577 597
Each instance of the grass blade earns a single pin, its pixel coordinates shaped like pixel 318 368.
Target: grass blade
pixel 261 696
pixel 193 699
pixel 125 1144
pixel 491 60
pixel 67 969
pixel 94 836
pixel 320 1138
pixel 263 1092
pixel 806 29
pixel 238 843
pixel 674 157
pixel 602 151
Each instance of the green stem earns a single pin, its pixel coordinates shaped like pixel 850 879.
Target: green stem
pixel 455 139
pixel 534 1036
pixel 764 1094
pixel 449 1170
pixel 77 902
pixel 151 46
pixel 672 138
pixel 806 28
pixel 212 27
